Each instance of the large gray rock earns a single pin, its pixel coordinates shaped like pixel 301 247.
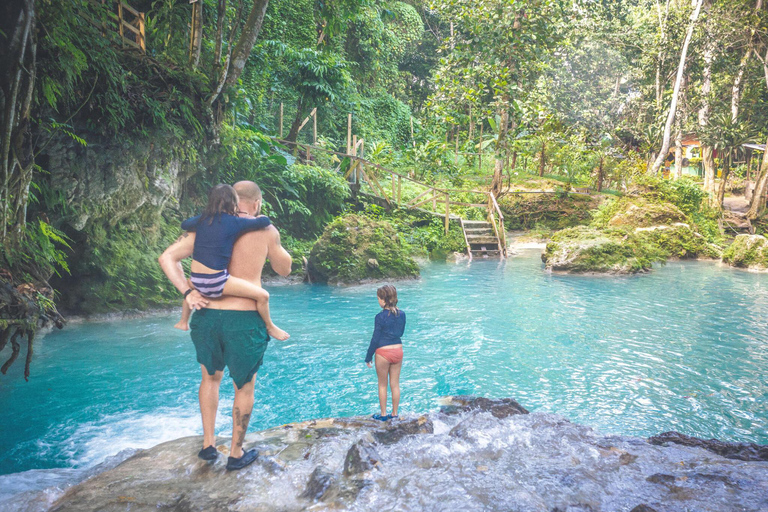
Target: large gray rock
pixel 505 459
pixel 111 179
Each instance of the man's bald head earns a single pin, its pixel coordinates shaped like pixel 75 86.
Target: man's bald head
pixel 250 197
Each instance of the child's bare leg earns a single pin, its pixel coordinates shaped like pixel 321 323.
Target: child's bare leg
pixel 186 311
pixel 241 288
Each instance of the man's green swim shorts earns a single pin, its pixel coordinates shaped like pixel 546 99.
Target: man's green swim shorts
pixel 235 339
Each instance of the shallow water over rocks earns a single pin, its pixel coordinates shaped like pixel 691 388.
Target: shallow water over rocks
pixel 472 454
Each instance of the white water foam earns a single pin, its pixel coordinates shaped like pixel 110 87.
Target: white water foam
pixel 94 447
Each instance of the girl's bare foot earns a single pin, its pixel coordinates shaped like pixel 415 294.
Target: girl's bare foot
pixel 182 325
pixel 277 333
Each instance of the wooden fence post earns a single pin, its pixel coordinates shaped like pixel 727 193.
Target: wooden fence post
pixel 399 189
pixel 314 126
pixel 412 139
pixel 393 187
pixel 120 22
pixel 142 33
pixel 353 151
pixel 281 119
pixel 456 153
pixel 434 200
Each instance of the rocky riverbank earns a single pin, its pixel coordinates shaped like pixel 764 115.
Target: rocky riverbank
pixel 472 454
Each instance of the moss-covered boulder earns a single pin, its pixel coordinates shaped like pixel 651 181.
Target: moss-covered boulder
pixel 586 249
pixel 553 211
pixel 675 241
pixel 642 214
pixel 355 248
pixel 748 251
pixel 621 251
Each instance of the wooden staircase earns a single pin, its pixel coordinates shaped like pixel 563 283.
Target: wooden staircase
pixel 482 241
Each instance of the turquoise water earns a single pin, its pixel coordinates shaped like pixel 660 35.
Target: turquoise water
pixel 684 348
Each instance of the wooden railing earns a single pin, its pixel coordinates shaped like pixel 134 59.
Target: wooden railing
pixel 362 171
pixel 496 218
pixel 128 22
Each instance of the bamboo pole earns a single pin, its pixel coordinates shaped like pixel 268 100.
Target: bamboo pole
pixel 393 187
pixel 281 119
pixel 456 152
pixel 434 200
pixel 480 148
pixel 349 133
pixel 143 42
pixel 447 212
pixel 314 126
pixel 354 151
pixel 399 189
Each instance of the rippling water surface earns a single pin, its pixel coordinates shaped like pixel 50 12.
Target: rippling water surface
pixel 684 348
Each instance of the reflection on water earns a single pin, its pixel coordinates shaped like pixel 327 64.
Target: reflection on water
pixel 683 348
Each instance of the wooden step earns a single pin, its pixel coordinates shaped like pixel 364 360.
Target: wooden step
pixel 486 254
pixel 476 223
pixel 473 240
pixel 478 231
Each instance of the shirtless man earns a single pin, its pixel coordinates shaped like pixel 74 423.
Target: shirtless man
pixel 228 331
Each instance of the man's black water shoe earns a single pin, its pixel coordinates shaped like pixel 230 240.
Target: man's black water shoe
pixel 248 457
pixel 209 453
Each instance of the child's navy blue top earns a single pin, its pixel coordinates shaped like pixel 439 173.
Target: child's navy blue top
pixel 215 237
pixel 387 329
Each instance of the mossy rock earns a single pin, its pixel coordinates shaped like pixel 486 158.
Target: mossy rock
pixel 675 241
pixel 621 251
pixel 355 248
pixel 748 251
pixel 528 211
pixel 585 249
pixel 643 214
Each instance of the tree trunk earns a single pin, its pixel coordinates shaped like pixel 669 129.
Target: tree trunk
pixel 676 92
pixel 293 133
pixel 678 154
pixel 501 151
pixel 757 204
pixel 221 13
pixel 707 160
pixel 738 79
pixel 242 50
pixel 542 159
pixel 723 182
pixel 18 60
pixel 600 175
pixel 196 37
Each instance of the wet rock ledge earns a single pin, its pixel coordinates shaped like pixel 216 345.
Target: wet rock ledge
pixel 472 454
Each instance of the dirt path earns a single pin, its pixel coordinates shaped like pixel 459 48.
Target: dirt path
pixel 736 204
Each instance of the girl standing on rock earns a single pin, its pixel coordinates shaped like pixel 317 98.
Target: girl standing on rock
pixel 389 326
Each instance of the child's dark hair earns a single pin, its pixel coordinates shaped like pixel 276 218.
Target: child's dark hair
pixel 222 199
pixel 388 294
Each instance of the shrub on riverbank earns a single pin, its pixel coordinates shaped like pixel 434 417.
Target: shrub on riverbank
pixel 748 251
pixel 355 248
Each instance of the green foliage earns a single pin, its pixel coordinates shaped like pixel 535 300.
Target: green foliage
pixel 300 198
pixel 119 269
pixel 747 251
pixel 344 252
pixel 41 251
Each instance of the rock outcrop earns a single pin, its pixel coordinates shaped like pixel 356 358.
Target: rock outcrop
pixel 748 251
pixel 472 454
pixel 355 248
pixel 637 235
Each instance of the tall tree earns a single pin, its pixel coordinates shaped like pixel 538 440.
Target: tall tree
pixel 676 92
pixel 18 54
